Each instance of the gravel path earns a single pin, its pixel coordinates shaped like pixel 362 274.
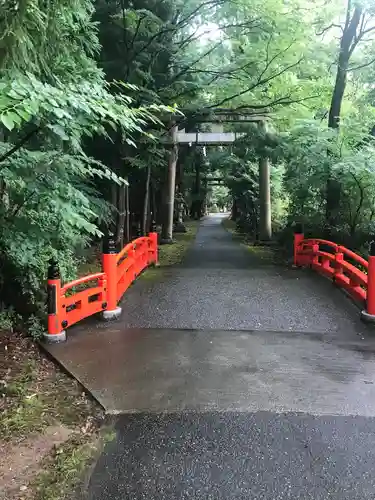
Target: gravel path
pixel 222 285
pixel 238 456
pixel 235 379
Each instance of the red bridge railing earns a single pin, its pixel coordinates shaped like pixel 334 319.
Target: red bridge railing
pixel 346 268
pixel 100 292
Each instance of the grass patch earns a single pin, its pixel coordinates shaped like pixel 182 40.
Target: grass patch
pixel 170 255
pixel 260 253
pixel 64 469
pixel 27 418
pixel 38 397
pixel 35 397
pixel 230 225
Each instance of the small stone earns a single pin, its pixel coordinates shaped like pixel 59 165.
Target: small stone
pixel 23 488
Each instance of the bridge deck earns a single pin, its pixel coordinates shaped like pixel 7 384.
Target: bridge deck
pixel 240 379
pixel 221 285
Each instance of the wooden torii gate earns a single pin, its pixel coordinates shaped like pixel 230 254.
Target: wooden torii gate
pixel 178 135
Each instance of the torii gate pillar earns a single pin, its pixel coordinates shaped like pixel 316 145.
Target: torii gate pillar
pixel 265 229
pixel 167 228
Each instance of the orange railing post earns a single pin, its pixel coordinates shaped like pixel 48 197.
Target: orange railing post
pixel 369 313
pixel 338 265
pixel 67 305
pixel 109 264
pixel 131 256
pixel 315 254
pixel 56 332
pixel 154 247
pixel 298 237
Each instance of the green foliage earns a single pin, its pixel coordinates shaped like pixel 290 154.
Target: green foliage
pixel 52 96
pixel 55 39
pixel 7 319
pixel 281 58
pixel 70 110
pixel 308 151
pixel 218 198
pixel 311 154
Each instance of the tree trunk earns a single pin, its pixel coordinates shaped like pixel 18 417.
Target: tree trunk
pixel 146 203
pixel 180 201
pixel 127 222
pixel 234 215
pixel 348 43
pixel 167 228
pixel 196 206
pixel 122 215
pixel 265 228
pixel 154 211
pixel 114 203
pixel 338 91
pixel 333 186
pixel 204 203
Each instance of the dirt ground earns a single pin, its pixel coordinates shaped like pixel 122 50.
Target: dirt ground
pixel 49 429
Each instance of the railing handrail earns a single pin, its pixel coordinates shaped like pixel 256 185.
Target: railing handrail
pixel 81 281
pixel 338 249
pixel 348 269
pixel 317 241
pixel 363 262
pixel 131 246
pixel 110 285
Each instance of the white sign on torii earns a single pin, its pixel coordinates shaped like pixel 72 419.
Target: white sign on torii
pixel 217 136
pixel 206 138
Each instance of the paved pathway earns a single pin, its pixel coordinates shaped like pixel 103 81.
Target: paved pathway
pixel 222 285
pixel 235 378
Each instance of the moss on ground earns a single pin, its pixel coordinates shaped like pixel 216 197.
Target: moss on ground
pixel 35 397
pixel 230 226
pixel 172 254
pixel 38 396
pixel 261 253
pixel 64 469
pixel 169 255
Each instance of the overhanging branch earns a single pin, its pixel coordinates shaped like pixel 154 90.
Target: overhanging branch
pixel 364 65
pixel 19 144
pixel 258 83
pixel 282 101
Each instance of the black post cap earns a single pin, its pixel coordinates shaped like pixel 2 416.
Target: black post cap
pixel 298 228
pixel 372 248
pixel 53 270
pixel 109 244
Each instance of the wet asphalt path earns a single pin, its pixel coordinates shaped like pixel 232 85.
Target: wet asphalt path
pixel 221 285
pixel 270 395
pixel 260 456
